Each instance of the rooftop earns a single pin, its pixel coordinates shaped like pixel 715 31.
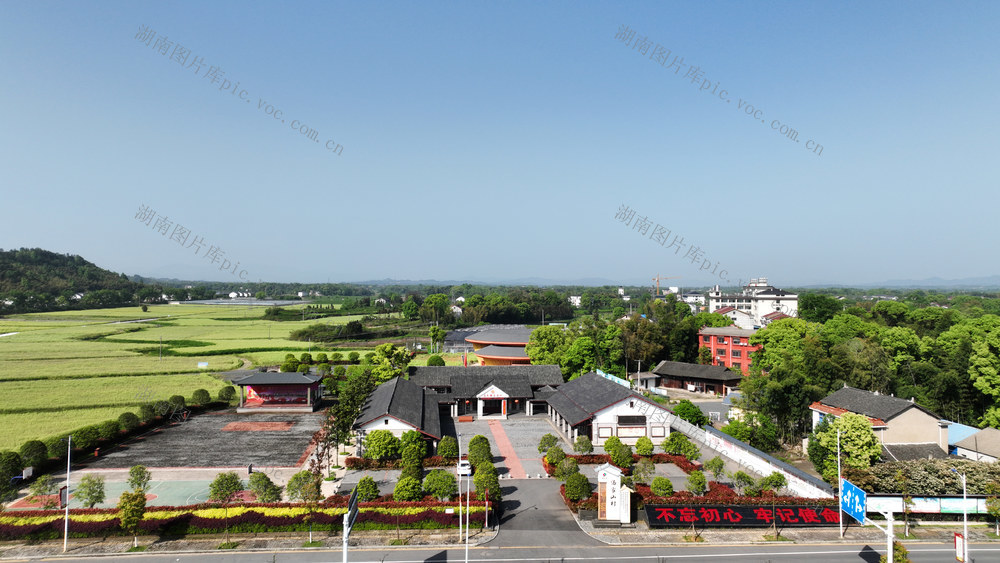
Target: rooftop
pixel 503 336
pixel 985 441
pixel 405 401
pixel 581 398
pixel 700 371
pixel 727 331
pixel 275 378
pixel 870 404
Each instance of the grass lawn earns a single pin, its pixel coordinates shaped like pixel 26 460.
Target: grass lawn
pixel 16 429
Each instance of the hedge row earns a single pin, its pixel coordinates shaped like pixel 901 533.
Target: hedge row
pixel 683 463
pixel 208 519
pixel 718 493
pixel 365 463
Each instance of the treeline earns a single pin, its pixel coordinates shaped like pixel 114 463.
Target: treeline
pixel 942 358
pixel 352 330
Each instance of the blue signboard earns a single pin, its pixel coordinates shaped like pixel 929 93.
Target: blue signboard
pixel 853 500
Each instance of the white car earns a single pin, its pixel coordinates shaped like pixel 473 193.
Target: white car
pixel 464 468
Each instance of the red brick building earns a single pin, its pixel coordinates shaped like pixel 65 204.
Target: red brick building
pixel 730 346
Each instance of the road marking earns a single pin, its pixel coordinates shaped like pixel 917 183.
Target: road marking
pixel 510 459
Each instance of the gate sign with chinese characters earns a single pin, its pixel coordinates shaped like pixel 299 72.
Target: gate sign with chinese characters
pixel 853 500
pixel 609 482
pixel 739 516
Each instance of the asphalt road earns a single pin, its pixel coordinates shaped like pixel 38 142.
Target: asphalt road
pixel 834 553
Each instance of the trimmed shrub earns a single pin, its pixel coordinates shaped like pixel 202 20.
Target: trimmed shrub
pixel 611 443
pixel 336 357
pixel 321 358
pixel 323 369
pixel 227 393
pixel 486 479
pixel 547 442
pixel 303 368
pixel 440 484
pixel 679 444
pixel 201 397
pixel 306 358
pixel 146 413
pixel 369 357
pixel 262 486
pixel 480 451
pixel 10 466
pixel 367 489
pixel 583 445
pixel 408 489
pixel 448 447
pixel 177 402
pixel 353 357
pixel 622 456
pixel 162 408
pixel 128 421
pixel 224 487
pixel 87 437
pixel 290 366
pixel 686 410
pixel 555 455
pixel 414 439
pixel 33 453
pixel 644 446
pixel 577 487
pixel 696 483
pixel 662 487
pixel 109 429
pixel 435 360
pixel 381 444
pixel 566 467
pixel 138 477
pixel 339 371
pixel 56 446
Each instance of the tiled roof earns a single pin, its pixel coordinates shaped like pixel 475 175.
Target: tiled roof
pixel 870 404
pixel 405 401
pixel 467 382
pixel 274 378
pixel 726 331
pixel 502 351
pixel 580 399
pixel 681 369
pixel 505 336
pixel 912 452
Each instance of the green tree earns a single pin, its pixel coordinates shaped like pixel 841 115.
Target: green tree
pixel 201 397
pixel 577 487
pixel 611 443
pixel 773 482
pixel 904 488
pixel 388 362
pixel 381 444
pixel 290 366
pixel 696 483
pixel 555 455
pixel 818 308
pixel 304 486
pixel 225 487
pixel 90 490
pixel 437 335
pixel 993 504
pixel 33 454
pixel 43 490
pixel 690 412
pixel 643 470
pixel 679 444
pixel 305 358
pixel 566 467
pixel 176 402
pixel 622 456
pixel 547 442
pixel 644 446
pixel 367 489
pixel 138 478
pixel 415 439
pixel 353 357
pixel 435 360
pixel 858 445
pixel 899 554
pixel 479 451
pixel 448 447
pixel 322 358
pixel 742 481
pixel 662 487
pixel 716 466
pixel 146 413
pixel 579 357
pixel 440 484
pixel 323 369
pixel 408 489
pixel 583 445
pixel 486 479
pixel 547 344
pixel 131 509
pixel 11 465
pixel 412 463
pixel 263 488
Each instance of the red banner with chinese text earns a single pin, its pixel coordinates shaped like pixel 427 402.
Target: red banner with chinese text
pixel 739 516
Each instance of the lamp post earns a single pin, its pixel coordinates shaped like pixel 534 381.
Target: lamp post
pixel 965 519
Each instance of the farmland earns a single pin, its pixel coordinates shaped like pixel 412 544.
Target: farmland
pixel 65 370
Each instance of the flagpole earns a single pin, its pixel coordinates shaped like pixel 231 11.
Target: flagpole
pixel 69 455
pixel 840 490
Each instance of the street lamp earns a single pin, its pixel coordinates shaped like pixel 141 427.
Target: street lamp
pixel 965 519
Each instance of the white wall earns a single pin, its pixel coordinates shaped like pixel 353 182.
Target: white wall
pixel 657 426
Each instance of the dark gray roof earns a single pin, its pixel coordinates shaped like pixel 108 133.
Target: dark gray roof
pixel 986 441
pixel 502 351
pixel 580 399
pixel 873 405
pixel 467 382
pixel 912 452
pixel 272 378
pixel 458 335
pixel 512 335
pixel 681 369
pixel 403 400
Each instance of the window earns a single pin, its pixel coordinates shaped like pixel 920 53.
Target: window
pixel 706 339
pixel 632 420
pixel 736 340
pixel 720 339
pixel 737 354
pixel 738 366
pixel 387 421
pixel 721 352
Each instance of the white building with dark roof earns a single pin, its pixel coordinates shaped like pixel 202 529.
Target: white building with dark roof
pixel 598 408
pixel 488 391
pixel 757 299
pixel 399 406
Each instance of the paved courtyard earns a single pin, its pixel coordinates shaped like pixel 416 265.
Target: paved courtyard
pixel 219 440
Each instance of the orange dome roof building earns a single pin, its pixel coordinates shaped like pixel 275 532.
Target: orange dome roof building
pixel 501 347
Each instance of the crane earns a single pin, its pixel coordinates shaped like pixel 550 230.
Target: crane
pixel 658 278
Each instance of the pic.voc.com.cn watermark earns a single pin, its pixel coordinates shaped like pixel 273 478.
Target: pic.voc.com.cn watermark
pixel 662 235
pixel 183 56
pixel 179 234
pixel 666 59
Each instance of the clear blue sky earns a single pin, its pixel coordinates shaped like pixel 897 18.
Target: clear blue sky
pixel 492 141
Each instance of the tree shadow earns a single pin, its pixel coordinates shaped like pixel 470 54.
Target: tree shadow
pixel 869 555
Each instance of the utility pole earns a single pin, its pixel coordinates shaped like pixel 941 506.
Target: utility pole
pixel 840 478
pixel 69 457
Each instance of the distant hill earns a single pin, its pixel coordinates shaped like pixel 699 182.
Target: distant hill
pixel 33 279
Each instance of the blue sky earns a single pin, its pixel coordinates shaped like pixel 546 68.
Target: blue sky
pixel 495 141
